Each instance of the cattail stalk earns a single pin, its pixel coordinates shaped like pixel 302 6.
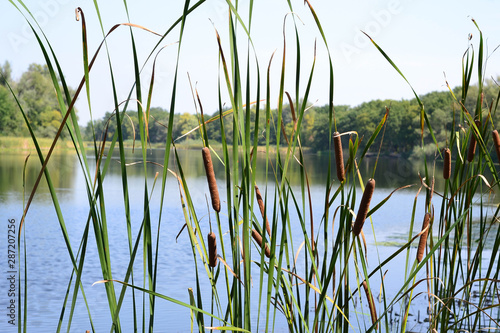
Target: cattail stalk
pixel 473 143
pixel 371 303
pixel 339 156
pixel 423 238
pixel 262 209
pixel 447 164
pixel 496 142
pixel 258 238
pixel 212 250
pixel 431 192
pixel 212 184
pixel 364 206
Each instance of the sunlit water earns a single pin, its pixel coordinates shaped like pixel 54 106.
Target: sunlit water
pixel 49 266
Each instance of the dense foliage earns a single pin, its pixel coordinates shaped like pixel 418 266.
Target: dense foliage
pixel 403 125
pixel 35 92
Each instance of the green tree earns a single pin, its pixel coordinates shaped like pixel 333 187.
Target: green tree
pixel 36 92
pixel 5 73
pixel 321 132
pixel 186 123
pixel 10 120
pixel 158 123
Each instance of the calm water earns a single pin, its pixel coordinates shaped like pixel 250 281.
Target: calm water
pixel 49 266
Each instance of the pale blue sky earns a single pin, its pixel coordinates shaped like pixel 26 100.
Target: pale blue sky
pixel 425 38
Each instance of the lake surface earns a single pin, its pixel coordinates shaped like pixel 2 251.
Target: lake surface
pixel 49 266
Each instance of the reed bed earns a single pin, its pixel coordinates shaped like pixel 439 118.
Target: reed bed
pixel 312 283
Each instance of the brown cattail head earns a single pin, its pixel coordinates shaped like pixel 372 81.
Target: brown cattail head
pixel 364 206
pixel 212 184
pixel 258 238
pixel 423 238
pixel 447 163
pixel 472 145
pixel 212 250
pixel 339 156
pixel 496 143
pixel 262 208
pixel 371 303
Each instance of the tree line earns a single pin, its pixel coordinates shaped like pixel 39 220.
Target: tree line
pixel 401 133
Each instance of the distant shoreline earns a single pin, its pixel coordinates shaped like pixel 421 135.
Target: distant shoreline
pixel 25 144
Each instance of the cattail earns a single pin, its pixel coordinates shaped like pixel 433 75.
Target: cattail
pixel 339 157
pixel 423 237
pixel 258 239
pixel 371 303
pixel 212 184
pixel 447 164
pixel 364 206
pixel 212 250
pixel 496 142
pixel 261 207
pixel 472 146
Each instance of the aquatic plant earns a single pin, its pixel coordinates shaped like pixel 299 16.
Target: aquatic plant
pixel 312 282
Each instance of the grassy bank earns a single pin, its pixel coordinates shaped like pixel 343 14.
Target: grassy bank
pixel 23 144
